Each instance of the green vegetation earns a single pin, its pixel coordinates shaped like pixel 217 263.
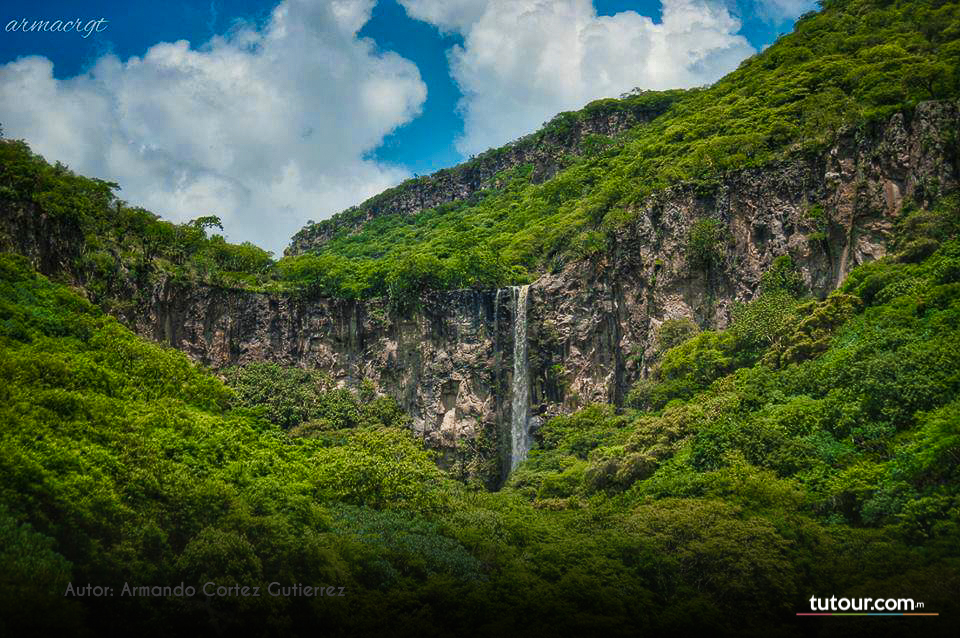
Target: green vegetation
pixel 705 245
pixel 853 63
pixel 824 457
pixel 115 249
pixel 813 448
pixel 123 462
pixel 307 402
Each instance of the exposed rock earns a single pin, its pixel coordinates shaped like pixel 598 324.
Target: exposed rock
pixel 546 150
pixel 591 326
pixel 48 242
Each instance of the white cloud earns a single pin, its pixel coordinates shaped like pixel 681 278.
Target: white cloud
pixel 264 127
pixel 523 61
pixel 779 10
pixel 446 15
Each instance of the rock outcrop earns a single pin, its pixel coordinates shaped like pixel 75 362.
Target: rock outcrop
pixel 546 150
pixel 591 326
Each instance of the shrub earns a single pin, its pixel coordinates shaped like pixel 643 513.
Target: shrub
pixel 704 247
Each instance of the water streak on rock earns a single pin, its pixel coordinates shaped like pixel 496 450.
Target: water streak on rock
pixel 520 393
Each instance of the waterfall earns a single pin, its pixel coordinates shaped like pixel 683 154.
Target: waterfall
pixel 520 408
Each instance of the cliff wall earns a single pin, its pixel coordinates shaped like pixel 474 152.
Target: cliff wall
pixel 592 326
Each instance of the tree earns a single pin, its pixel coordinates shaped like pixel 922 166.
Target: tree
pixel 704 244
pixel 205 222
pixel 673 332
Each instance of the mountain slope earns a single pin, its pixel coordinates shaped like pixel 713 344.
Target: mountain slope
pixel 554 197
pixel 742 361
pixel 813 448
pixel 855 62
pixel 634 247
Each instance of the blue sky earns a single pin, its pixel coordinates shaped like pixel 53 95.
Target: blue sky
pixel 447 82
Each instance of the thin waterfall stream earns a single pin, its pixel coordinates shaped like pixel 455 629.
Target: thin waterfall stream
pixel 520 392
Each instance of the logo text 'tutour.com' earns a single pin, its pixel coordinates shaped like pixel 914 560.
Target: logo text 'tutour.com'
pixel 834 606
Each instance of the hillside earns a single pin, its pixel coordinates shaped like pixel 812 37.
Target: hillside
pixel 448 357
pixel 671 365
pixel 543 153
pixel 813 447
pixel 556 196
pixel 855 62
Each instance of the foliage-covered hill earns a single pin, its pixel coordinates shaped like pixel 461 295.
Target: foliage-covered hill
pixel 853 62
pixel 812 449
pixel 545 152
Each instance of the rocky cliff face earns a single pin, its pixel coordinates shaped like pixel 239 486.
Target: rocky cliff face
pixel 48 242
pixel 591 326
pixel 567 134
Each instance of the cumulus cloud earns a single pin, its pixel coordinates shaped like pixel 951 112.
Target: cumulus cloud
pixel 446 15
pixel 266 127
pixel 523 61
pixel 778 10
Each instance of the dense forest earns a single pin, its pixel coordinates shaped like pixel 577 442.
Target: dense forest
pixel 812 448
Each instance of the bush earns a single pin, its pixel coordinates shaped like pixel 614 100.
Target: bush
pixel 307 401
pixel 705 244
pixel 673 332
